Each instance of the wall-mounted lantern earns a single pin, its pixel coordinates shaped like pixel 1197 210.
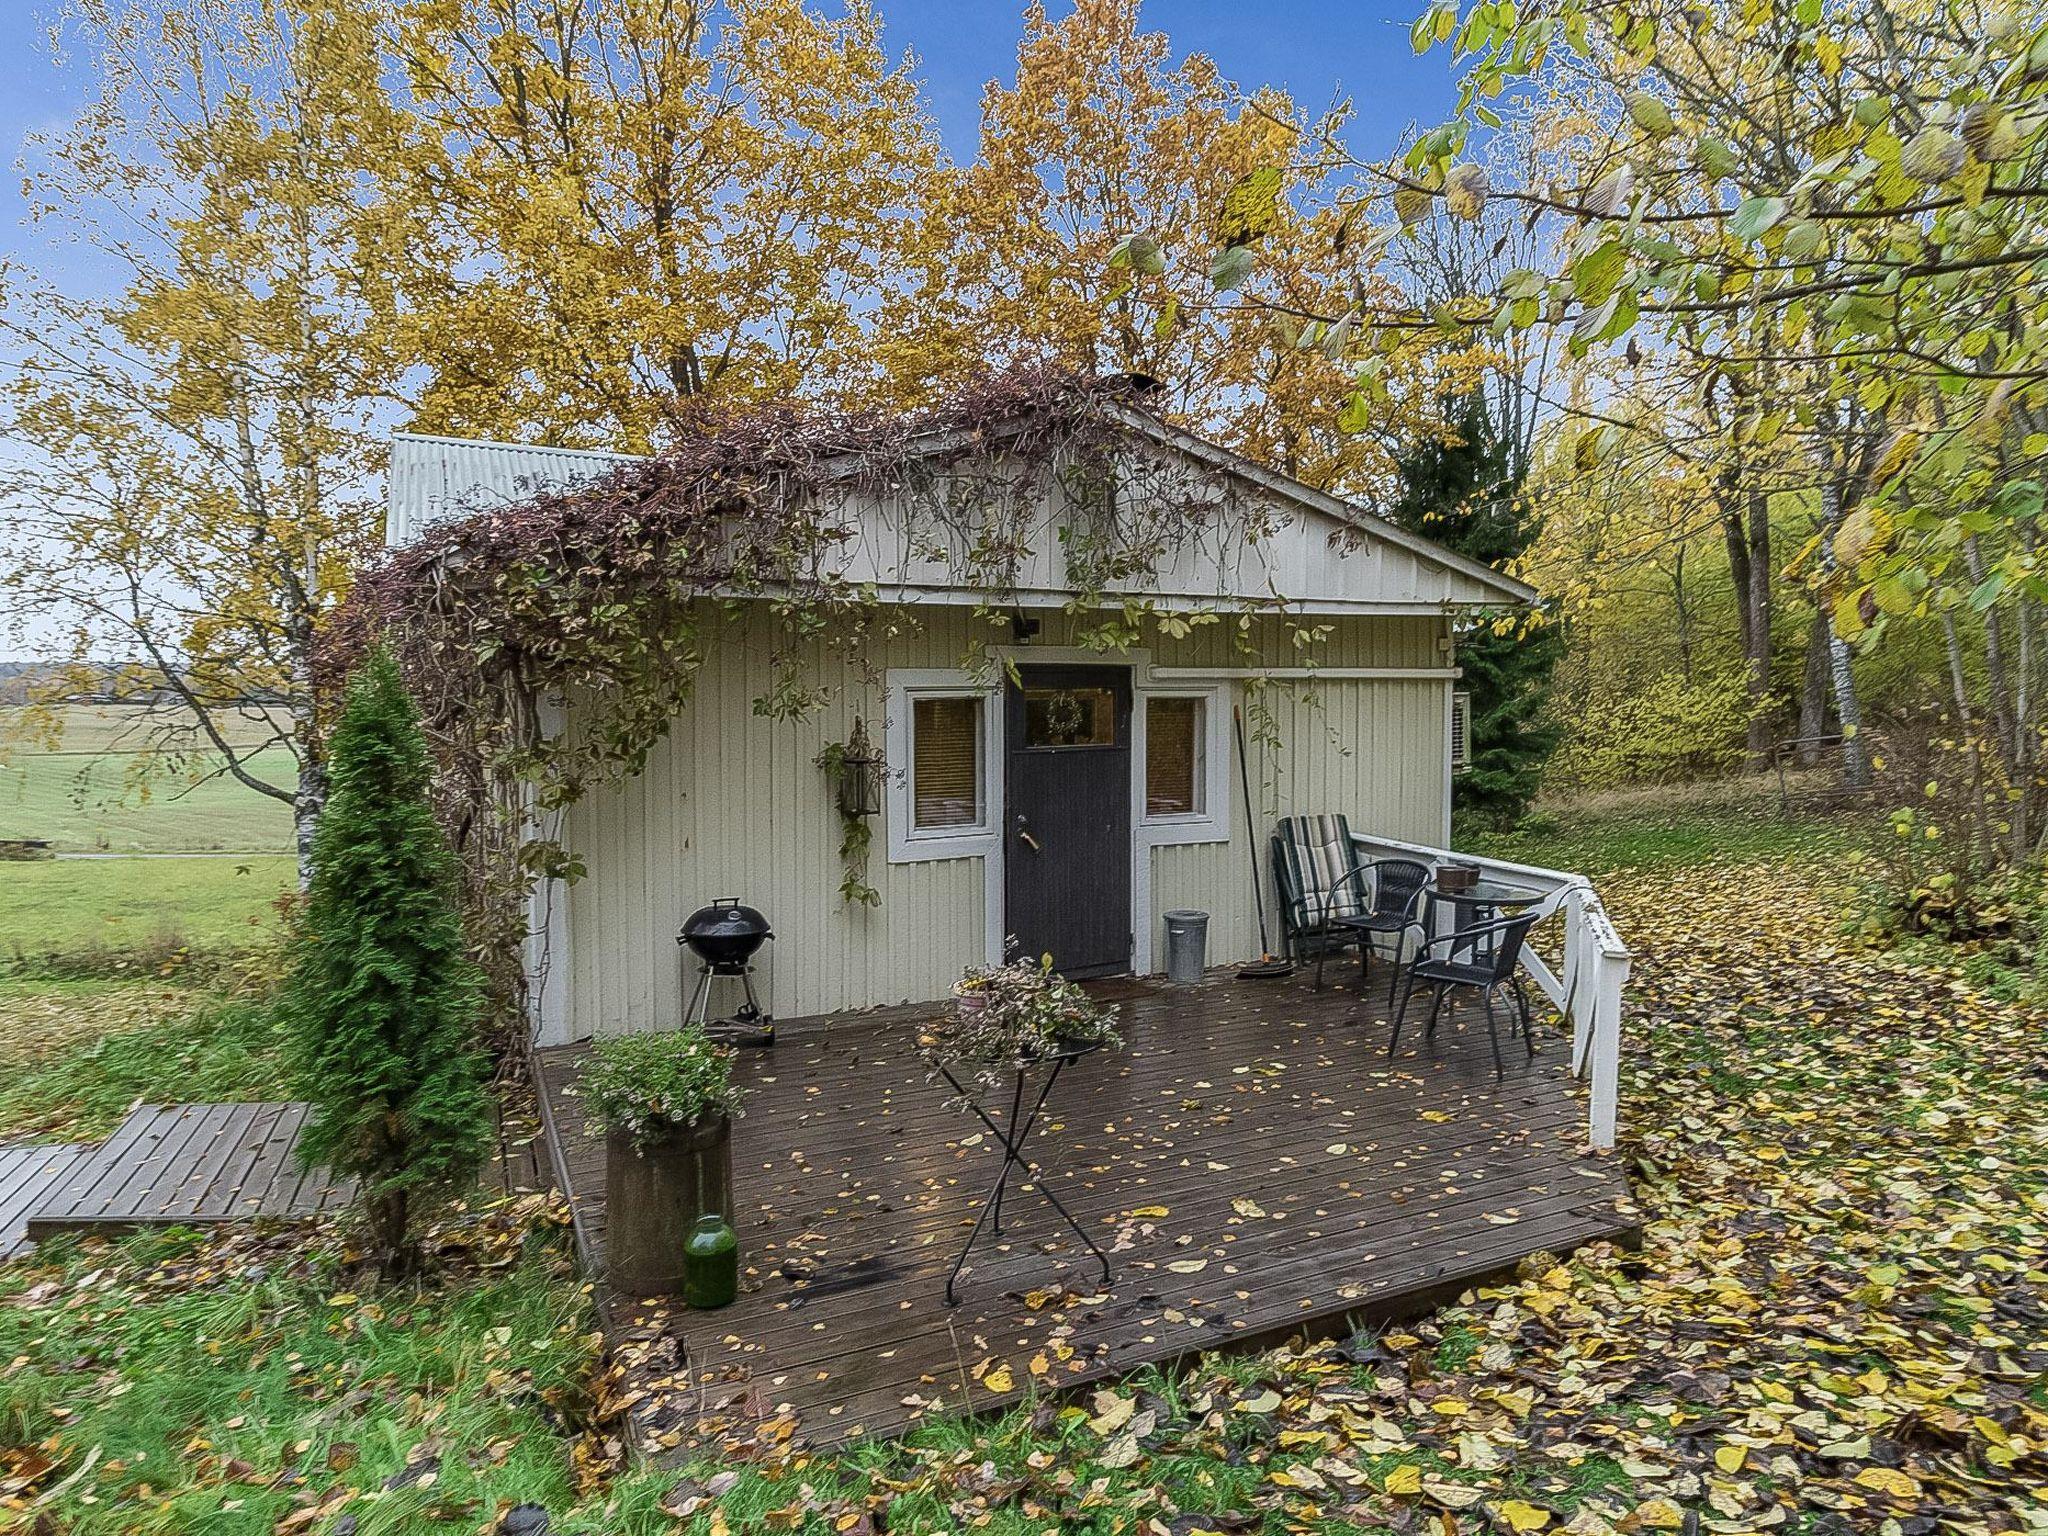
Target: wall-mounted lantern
pixel 860 774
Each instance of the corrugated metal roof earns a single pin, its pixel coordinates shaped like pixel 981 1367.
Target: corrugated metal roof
pixel 436 478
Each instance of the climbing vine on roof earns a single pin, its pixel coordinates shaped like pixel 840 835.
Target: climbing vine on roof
pixel 603 593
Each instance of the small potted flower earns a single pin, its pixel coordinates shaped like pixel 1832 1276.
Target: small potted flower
pixel 664 1103
pixel 1006 1016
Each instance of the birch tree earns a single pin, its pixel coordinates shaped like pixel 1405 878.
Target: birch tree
pixel 188 475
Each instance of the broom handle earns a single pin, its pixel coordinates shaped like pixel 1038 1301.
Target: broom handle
pixel 1251 832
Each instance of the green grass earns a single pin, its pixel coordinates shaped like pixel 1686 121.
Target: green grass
pixel 79 1087
pixel 92 802
pixel 252 1384
pixel 80 908
pixel 1592 840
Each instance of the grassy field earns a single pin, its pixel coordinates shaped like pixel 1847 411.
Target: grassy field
pixel 100 787
pixel 1677 825
pixel 110 802
pixel 82 909
pixel 74 1056
pixel 107 778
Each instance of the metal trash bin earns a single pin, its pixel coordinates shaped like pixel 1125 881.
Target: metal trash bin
pixel 1187 946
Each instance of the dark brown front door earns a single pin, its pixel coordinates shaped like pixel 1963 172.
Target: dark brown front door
pixel 1067 801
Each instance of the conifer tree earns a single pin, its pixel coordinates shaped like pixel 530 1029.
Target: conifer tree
pixel 1465 492
pixel 382 1000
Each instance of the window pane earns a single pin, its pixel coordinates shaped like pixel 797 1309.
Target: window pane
pixel 1069 717
pixel 945 770
pixel 1173 742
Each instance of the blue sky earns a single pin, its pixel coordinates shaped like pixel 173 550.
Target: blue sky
pixel 1318 49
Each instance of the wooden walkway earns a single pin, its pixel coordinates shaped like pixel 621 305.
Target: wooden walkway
pixel 1253 1161
pixel 188 1165
pixel 27 1174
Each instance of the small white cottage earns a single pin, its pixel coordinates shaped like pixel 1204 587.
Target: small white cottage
pixel 1036 796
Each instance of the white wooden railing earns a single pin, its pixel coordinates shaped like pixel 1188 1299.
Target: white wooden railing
pixel 1594 970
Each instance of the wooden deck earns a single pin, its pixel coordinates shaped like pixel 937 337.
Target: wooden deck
pixel 27 1174
pixel 188 1165
pixel 1253 1161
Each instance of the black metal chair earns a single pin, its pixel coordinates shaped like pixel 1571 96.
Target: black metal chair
pixel 1398 887
pixel 1483 956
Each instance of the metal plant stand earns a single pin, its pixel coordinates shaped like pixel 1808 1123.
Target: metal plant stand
pixel 1013 1132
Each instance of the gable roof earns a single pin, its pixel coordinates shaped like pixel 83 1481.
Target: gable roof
pixel 434 479
pixel 1324 555
pixel 1287 488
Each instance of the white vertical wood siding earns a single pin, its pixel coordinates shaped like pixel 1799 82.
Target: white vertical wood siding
pixel 733 804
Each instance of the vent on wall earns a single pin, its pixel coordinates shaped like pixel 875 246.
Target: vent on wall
pixel 1461 731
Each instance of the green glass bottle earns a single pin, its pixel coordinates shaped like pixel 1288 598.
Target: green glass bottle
pixel 711 1263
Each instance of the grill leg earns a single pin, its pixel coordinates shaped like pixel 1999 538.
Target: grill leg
pixel 701 997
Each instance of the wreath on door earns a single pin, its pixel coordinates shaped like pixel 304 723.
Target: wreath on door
pixel 1064 715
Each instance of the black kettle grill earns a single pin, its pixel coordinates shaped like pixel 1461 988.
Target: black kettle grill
pixel 724 937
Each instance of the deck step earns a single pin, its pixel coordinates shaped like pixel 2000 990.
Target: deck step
pixel 188 1165
pixel 27 1174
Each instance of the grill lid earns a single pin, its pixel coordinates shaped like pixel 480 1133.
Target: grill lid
pixel 726 918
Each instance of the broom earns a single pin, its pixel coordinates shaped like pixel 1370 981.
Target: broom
pixel 1269 966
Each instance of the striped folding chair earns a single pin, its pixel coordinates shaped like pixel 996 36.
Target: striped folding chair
pixel 1321 876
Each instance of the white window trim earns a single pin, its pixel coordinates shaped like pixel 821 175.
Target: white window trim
pixel 1211 824
pixel 908 845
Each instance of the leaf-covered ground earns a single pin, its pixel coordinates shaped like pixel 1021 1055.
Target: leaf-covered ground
pixel 1838 1321
pixel 1836 1324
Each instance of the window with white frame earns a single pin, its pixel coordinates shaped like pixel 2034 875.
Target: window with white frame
pixel 1183 777
pixel 940 802
pixel 947 775
pixel 1175 750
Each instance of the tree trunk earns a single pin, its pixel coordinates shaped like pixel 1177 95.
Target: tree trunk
pixel 1746 534
pixel 1757 604
pixel 310 797
pixel 2008 741
pixel 1683 614
pixel 397 1255
pixel 1813 686
pixel 1848 709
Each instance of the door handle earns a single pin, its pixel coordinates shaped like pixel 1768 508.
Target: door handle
pixel 1026 838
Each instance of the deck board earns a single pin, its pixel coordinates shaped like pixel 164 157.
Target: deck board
pixel 27 1174
pixel 1373 1184
pixel 188 1165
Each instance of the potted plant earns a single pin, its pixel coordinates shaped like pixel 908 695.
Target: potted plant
pixel 1007 1015
pixel 664 1103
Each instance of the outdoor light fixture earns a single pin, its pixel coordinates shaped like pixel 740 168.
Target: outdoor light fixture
pixel 860 775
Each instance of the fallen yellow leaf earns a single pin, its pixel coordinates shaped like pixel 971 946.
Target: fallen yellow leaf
pixel 1658 1515
pixel 1899 1485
